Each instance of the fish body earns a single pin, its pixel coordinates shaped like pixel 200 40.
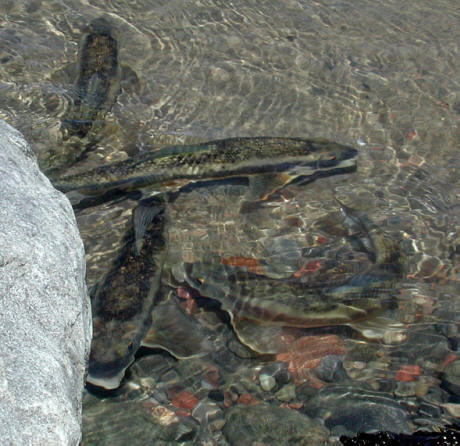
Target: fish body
pixel 123 302
pixel 285 302
pixel 99 76
pixel 234 157
pixel 256 304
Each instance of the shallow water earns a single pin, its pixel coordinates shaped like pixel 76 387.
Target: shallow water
pixel 373 76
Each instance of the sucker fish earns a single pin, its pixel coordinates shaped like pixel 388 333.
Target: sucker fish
pixel 283 159
pixel 257 304
pixel 123 302
pixel 98 82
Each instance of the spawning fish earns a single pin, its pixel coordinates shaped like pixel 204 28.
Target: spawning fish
pixel 268 163
pixel 98 82
pixel 259 306
pixel 123 302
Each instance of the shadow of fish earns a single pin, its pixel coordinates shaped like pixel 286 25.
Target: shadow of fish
pixel 268 163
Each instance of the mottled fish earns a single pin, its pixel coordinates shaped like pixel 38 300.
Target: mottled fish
pixel 99 76
pixel 123 302
pixel 259 305
pixel 268 163
pixel 124 312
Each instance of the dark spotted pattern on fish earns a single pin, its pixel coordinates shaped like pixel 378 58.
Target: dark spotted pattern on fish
pixel 215 159
pixel 98 82
pixel 123 302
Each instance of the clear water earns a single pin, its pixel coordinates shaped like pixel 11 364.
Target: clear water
pixel 373 75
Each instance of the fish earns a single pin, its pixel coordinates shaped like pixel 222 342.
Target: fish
pixel 99 77
pixel 269 163
pixel 122 303
pixel 125 313
pixel 260 306
pixel 129 310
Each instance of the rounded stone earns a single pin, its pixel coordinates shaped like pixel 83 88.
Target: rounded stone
pixel 331 369
pixel 267 382
pixel 286 393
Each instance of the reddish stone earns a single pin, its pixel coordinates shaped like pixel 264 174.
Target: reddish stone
pixel 407 372
pixel 309 268
pixel 451 357
pixel 247 399
pixel 184 293
pixel 183 413
pixel 184 400
pixel 211 376
pixel 306 353
pixel 250 263
pixel 321 240
pixel 295 406
pixel 228 400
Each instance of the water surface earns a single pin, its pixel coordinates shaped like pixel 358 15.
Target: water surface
pixel 375 76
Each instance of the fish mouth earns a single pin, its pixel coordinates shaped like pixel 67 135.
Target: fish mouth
pixel 107 383
pixel 107 375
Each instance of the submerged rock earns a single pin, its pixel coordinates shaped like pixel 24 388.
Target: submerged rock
pixel 271 425
pixel 451 377
pixel 45 321
pixel 348 410
pixel 118 423
pixel 446 436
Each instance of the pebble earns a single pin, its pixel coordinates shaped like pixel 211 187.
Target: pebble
pixel 348 409
pixel 421 387
pixel 274 375
pixel 405 389
pixel 286 393
pixel 216 395
pixel 206 411
pixel 267 382
pixel 394 337
pixel 429 410
pixel 331 369
pixel 271 425
pixel 186 431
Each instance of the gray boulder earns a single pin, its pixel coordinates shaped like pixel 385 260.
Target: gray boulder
pixel 45 314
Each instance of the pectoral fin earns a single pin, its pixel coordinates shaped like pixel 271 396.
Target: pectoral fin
pixel 262 186
pixel 263 339
pixel 176 332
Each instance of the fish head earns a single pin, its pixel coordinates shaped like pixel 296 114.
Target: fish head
pixel 209 279
pixel 326 157
pixel 113 348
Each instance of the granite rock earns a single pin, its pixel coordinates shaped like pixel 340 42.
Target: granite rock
pixel 45 317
